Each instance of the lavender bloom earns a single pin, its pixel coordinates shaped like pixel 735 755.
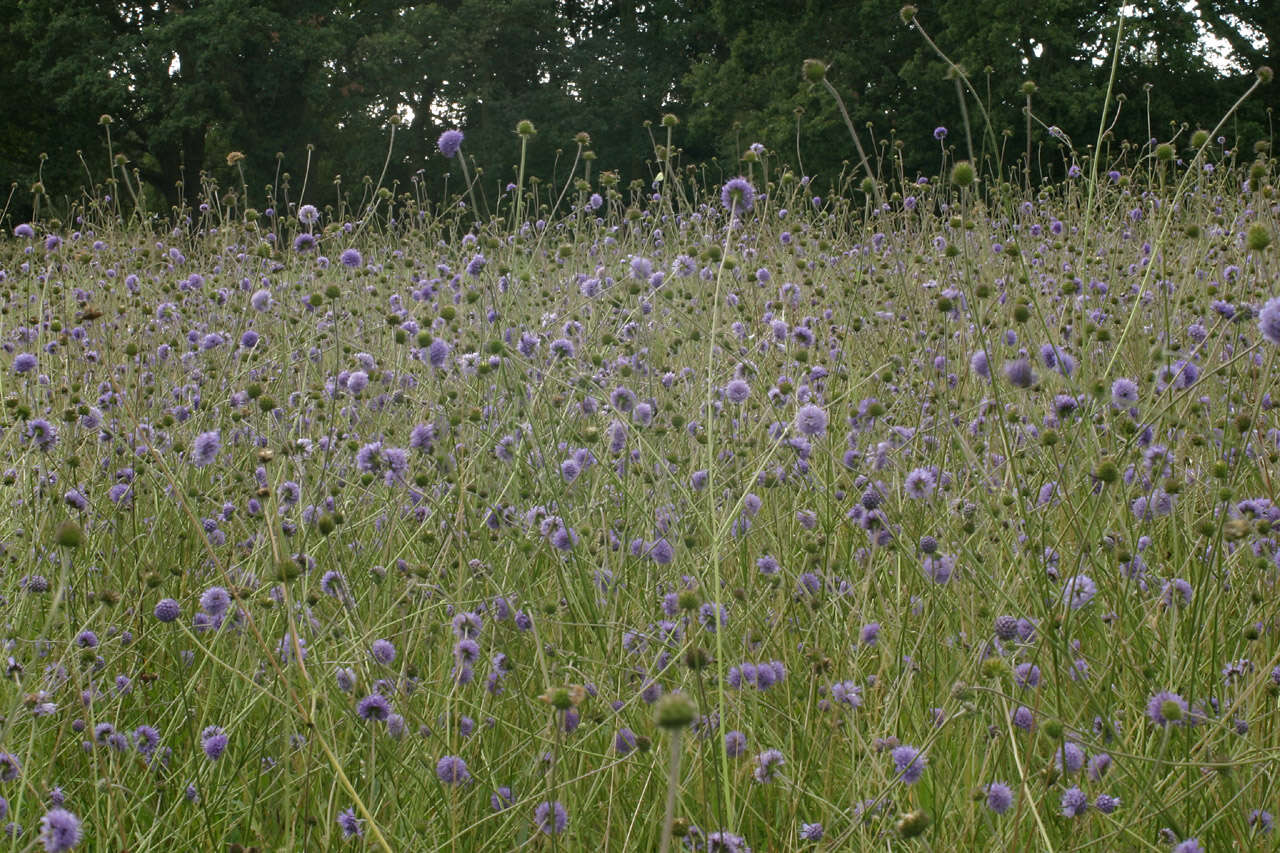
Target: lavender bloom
pixel 205 448
pixel 450 142
pixel 373 707
pixel 1124 393
pixel 767 763
pixel 811 420
pixel 1079 591
pixel 550 817
pixel 1269 320
pixel 811 831
pixel 24 362
pixel 452 770
pixel 999 797
pixel 350 824
pixel 167 610
pixel 909 763
pixel 1106 803
pixel 214 742
pixel 1191 845
pixel 1074 802
pixel 1166 707
pixel 738 194
pixel 59 830
pixel 736 391
pixel 383 652
pixel 735 744
pixel 351 258
pixel 215 601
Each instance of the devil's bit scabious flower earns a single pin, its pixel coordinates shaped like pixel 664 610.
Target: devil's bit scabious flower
pixel 449 142
pixel 550 817
pixel 738 195
pixel 59 830
pixel 1269 320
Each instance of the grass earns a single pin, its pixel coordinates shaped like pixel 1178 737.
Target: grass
pixel 595 534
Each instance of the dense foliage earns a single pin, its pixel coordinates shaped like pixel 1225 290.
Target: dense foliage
pixel 188 82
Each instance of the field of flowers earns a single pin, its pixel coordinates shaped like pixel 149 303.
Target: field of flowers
pixel 708 516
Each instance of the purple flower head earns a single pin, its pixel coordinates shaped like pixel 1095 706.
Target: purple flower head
pixel 767 763
pixel 1269 320
pixel 350 824
pixel 24 362
pixel 59 830
pixel 383 652
pixel 550 817
pixel 205 448
pixel 999 797
pixel 1190 845
pixel 811 831
pixel 811 420
pixel 214 742
pixel 167 610
pixel 737 391
pixel 1074 802
pixel 1079 591
pixel 738 194
pixel 449 142
pixel 1166 707
pixel 939 133
pixel 308 215
pixel 452 770
pixel 215 601
pixel 24 231
pixel 735 744
pixel 909 763
pixel 373 707
pixel 351 258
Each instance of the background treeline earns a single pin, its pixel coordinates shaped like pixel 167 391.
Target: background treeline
pixel 188 81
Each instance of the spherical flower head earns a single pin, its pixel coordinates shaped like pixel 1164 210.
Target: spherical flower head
pixel 351 258
pixel 1079 591
pixel 1269 320
pixel 373 707
pixel 1191 845
pixel 963 174
pixel 909 763
pixel 1106 803
pixel 350 824
pixel 59 830
pixel 205 448
pixel 24 362
pixel 25 231
pixel 215 601
pixel 1019 373
pixel 167 610
pixel 939 133
pixel 550 817
pixel 1069 758
pixel 767 764
pixel 308 215
pixel 261 299
pixel 383 652
pixel 811 420
pixel 674 711
pixel 1074 802
pixel 1166 707
pixel 811 831
pixel 452 770
pixel 999 797
pixel 738 195
pixel 450 142
pixel 814 70
pixel 214 742
pixel 736 391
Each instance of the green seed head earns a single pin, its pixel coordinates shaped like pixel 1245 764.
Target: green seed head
pixel 963 174
pixel 674 711
pixel 814 70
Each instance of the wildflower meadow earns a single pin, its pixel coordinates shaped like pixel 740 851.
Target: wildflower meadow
pixel 710 511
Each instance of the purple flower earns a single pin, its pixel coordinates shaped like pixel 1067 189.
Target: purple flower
pixel 909 763
pixel 261 300
pixel 167 610
pixel 811 420
pixel 1124 393
pixel 767 763
pixel 738 194
pixel 214 742
pixel 1019 373
pixel 1074 802
pixel 373 707
pixel 205 448
pixel 1269 320
pixel 999 797
pixel 24 362
pixel 919 484
pixel 735 744
pixel 1079 591
pixel 736 391
pixel 939 133
pixel 452 770
pixel 1166 707
pixel 383 652
pixel 308 215
pixel 811 831
pixel 1106 803
pixel 215 601
pixel 1191 845
pixel 350 824
pixel 25 231
pixel 59 830
pixel 351 258
pixel 438 353
pixel 550 817
pixel 449 142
